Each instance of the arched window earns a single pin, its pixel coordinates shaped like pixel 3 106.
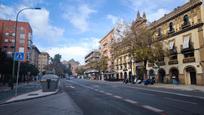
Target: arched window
pixel 171 28
pixel 186 20
pixel 159 32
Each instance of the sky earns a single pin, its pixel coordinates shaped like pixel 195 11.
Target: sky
pixel 73 28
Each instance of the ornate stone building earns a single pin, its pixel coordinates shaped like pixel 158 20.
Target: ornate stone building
pixel 105 50
pixel 124 66
pixel 182 32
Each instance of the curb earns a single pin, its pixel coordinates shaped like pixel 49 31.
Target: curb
pixel 4 103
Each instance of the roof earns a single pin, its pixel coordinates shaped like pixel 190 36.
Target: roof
pixel 106 35
pixel 176 12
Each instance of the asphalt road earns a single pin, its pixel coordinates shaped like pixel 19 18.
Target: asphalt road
pixel 84 97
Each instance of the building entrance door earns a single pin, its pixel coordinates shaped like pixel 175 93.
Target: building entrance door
pixel 193 78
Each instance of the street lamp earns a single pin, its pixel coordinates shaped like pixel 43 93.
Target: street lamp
pixel 16 28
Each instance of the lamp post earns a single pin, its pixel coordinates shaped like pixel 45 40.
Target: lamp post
pixel 16 28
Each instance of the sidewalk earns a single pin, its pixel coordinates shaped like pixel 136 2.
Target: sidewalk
pixel 31 95
pixel 6 93
pixel 180 87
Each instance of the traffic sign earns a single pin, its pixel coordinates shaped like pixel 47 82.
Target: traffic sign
pixel 19 56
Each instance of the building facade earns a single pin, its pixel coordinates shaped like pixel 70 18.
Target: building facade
pixel 182 31
pixel 73 65
pixel 124 66
pixel 34 56
pixel 93 56
pixel 105 50
pixel 23 38
pixel 43 60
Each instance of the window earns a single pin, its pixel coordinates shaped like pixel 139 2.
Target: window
pixel 21 49
pixel 171 45
pixel 6 40
pixel 12 40
pixel 186 42
pixel 159 32
pixel 22 36
pixel 186 20
pixel 171 28
pixel 29 36
pixel 6 34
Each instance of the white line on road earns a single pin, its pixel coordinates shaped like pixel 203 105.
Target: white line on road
pixel 152 108
pixel 101 91
pixel 118 97
pixel 177 100
pixel 108 93
pixel 130 101
pixel 146 93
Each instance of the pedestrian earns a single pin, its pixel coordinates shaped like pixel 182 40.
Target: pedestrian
pixel 174 79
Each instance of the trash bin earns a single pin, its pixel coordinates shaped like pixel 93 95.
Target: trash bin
pixel 49 82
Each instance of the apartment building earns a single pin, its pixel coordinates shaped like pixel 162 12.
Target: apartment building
pixel 23 38
pixel 43 60
pixel 182 30
pixel 34 55
pixel 93 56
pixel 105 50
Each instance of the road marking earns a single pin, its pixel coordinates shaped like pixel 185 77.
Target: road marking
pixel 95 89
pixel 177 100
pixel 130 101
pixel 101 91
pixel 152 108
pixel 172 93
pixel 118 97
pixel 108 93
pixel 70 87
pixel 146 93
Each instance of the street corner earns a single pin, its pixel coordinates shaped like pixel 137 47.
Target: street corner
pixel 30 95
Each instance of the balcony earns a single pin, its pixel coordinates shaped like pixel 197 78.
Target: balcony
pixel 189 60
pixel 173 51
pixel 172 62
pixel 171 31
pixel 190 49
pixel 161 63
pixel 185 25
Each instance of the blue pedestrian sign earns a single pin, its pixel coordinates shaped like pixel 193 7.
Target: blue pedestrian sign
pixel 19 56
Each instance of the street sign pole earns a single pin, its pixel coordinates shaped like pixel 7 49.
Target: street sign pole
pixel 19 64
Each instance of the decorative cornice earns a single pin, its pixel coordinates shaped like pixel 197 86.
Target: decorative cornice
pixel 178 11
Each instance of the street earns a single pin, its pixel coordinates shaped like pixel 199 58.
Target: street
pixel 86 97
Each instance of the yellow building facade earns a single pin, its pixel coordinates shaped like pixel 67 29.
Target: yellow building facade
pixel 182 33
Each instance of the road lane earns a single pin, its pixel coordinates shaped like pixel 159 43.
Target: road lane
pixel 153 99
pixel 98 102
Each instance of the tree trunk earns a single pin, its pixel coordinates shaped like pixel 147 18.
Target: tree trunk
pixel 145 70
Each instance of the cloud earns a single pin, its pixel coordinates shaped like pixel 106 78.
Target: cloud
pixel 113 18
pixel 154 9
pixel 40 23
pixel 6 12
pixel 78 16
pixel 76 51
pixel 157 15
